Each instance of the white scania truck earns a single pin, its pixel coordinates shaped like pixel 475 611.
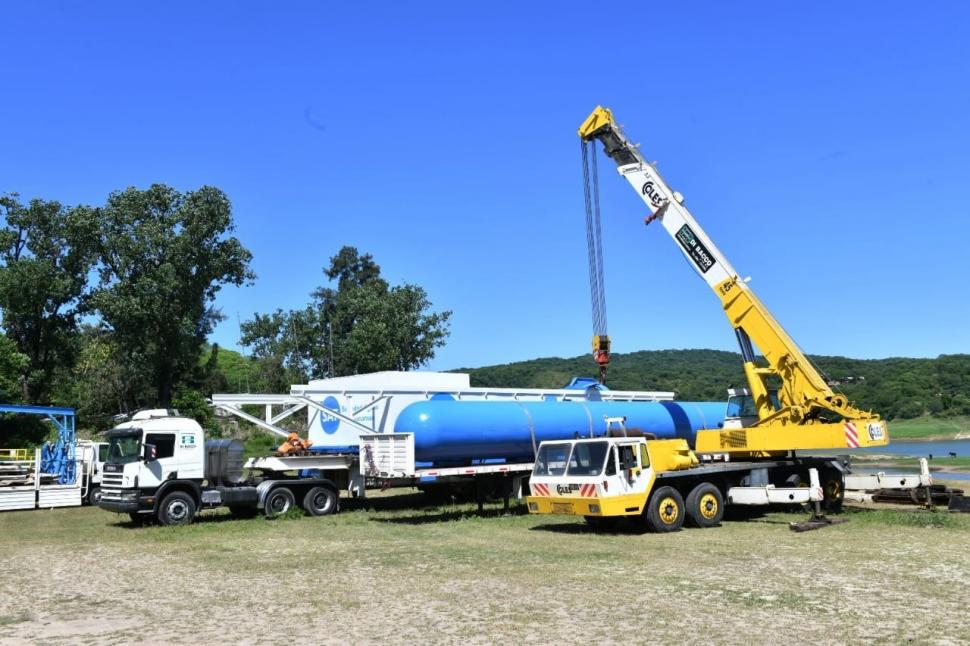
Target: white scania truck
pixel 159 467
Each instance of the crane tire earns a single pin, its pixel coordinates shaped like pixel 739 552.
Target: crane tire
pixel 94 495
pixel 833 490
pixel 665 511
pixel 705 506
pixel 321 501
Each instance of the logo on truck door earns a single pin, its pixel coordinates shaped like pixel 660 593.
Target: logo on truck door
pixel 695 249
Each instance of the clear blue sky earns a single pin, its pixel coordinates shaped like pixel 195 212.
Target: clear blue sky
pixel 825 147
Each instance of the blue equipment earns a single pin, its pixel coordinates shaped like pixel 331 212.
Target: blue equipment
pixel 55 457
pixel 449 431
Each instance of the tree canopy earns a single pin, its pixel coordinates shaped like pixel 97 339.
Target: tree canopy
pixel 362 324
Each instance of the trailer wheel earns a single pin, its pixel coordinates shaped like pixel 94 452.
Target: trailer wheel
pixel 177 508
pixel 278 501
pixel 705 506
pixel 321 501
pixel 94 496
pixel 665 511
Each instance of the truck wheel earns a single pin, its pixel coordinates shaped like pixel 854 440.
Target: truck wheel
pixel 94 495
pixel 321 501
pixel 665 511
pixel 705 506
pixel 278 501
pixel 177 508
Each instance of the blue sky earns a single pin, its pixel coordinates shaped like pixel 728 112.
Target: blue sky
pixel 824 147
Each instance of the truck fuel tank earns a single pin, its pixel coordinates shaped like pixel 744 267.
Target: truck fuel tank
pixel 224 462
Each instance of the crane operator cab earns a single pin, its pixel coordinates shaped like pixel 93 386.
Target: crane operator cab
pixel 741 409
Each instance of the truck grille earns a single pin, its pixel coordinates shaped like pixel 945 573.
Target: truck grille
pixel 112 481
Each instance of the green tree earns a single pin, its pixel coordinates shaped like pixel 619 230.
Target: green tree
pixel 13 365
pixel 46 253
pixel 164 256
pixel 363 323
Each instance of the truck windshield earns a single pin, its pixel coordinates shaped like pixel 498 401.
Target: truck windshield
pixel 588 458
pixel 123 448
pixel 551 460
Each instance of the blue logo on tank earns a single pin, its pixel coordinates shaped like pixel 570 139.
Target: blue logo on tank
pixel 330 423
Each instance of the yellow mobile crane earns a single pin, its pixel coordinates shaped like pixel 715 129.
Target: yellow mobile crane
pixel 666 482
pixel 807 413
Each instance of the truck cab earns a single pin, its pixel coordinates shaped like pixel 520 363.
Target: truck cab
pixel 660 484
pixel 146 453
pixel 92 456
pixel 599 478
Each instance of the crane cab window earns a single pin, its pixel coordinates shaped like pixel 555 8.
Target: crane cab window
pixel 611 463
pixel 551 460
pixel 644 456
pixel 628 457
pixel 587 458
pixel 164 444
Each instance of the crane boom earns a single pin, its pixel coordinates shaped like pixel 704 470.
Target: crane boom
pixel 808 413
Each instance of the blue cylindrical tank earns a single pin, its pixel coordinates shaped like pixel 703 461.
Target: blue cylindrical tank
pixel 448 431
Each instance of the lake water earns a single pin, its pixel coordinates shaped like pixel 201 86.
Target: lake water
pixel 939 450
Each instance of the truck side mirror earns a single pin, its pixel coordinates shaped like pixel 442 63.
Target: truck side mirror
pixel 148 452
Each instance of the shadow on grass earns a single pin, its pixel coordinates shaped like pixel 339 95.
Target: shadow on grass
pixel 452 515
pixel 620 529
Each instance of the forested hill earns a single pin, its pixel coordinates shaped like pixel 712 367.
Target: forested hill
pixel 896 388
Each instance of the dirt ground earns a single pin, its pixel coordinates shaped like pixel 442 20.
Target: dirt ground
pixel 400 572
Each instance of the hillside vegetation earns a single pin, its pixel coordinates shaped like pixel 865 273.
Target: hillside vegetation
pixel 898 388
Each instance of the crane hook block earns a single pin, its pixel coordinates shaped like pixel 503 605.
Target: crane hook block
pixel 601 348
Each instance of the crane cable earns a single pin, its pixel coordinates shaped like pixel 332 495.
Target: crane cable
pixel 594 249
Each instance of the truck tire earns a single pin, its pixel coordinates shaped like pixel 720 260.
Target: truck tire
pixel 94 495
pixel 705 506
pixel 321 501
pixel 665 511
pixel 177 508
pixel 278 501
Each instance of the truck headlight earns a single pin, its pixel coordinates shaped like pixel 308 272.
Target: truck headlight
pixel 533 506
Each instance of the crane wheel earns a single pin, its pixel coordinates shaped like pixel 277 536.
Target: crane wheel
pixel 665 511
pixel 705 506
pixel 278 501
pixel 833 490
pixel 321 501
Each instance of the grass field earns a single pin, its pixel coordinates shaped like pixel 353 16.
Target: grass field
pixel 399 572
pixel 926 428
